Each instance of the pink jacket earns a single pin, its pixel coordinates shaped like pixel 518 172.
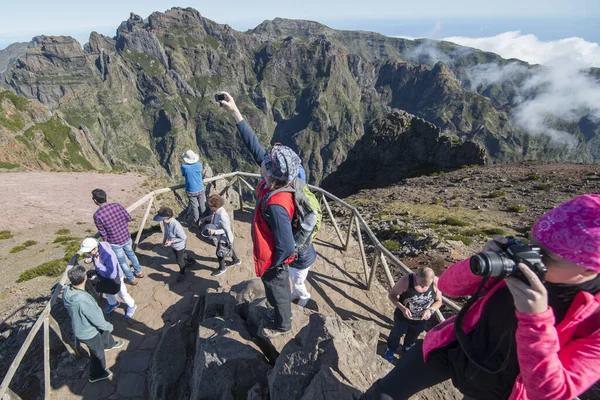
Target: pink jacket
pixel 556 362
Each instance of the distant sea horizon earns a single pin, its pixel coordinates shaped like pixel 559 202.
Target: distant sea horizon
pixel 545 29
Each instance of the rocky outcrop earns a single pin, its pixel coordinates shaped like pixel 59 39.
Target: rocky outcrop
pixel 228 364
pixel 327 359
pixel 323 358
pixel 147 94
pixel 398 146
pixel 10 54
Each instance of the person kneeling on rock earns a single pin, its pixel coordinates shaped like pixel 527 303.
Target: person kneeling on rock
pixel 176 239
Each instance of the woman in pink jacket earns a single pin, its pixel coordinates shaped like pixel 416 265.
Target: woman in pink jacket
pixel 536 341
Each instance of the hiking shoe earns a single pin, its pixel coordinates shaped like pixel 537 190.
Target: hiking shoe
pixel 302 302
pixel 140 275
pixel 269 333
pixel 108 309
pixel 132 283
pixel 218 272
pixel 407 348
pixel 236 262
pixel 107 374
pixel 118 345
pixel 180 277
pixel 389 356
pixel 130 311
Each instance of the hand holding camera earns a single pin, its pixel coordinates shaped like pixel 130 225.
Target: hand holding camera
pixel 225 100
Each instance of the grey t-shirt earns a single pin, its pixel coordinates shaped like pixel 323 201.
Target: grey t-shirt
pixel 174 231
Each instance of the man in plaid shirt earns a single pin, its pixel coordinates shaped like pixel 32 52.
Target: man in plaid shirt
pixel 111 220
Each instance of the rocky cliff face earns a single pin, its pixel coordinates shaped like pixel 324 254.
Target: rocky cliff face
pixel 146 95
pixel 397 146
pixel 9 55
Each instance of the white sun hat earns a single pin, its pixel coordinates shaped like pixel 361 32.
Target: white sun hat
pixel 190 157
pixel 88 245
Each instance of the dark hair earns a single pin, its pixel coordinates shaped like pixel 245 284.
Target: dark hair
pixel 277 184
pixel 99 196
pixel 77 274
pixel 216 201
pixel 165 212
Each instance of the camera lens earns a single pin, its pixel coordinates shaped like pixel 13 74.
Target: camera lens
pixel 491 264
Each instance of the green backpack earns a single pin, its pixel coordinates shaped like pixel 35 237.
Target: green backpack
pixel 307 217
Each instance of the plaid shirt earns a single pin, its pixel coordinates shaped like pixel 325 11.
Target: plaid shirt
pixel 111 221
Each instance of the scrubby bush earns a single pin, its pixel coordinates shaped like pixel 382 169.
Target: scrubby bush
pixel 542 186
pixel 466 240
pixel 62 239
pixel 5 235
pixel 516 208
pixel 453 221
pixel 494 231
pixel 50 268
pixel 63 231
pixel 391 245
pixel 534 177
pixel 23 246
pixel 495 195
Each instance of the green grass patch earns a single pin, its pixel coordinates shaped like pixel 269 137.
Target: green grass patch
pixel 542 186
pixel 19 102
pixel 453 221
pixel 51 268
pixel 495 195
pixel 63 239
pixel 534 177
pixel 516 208
pixel 461 238
pixel 63 231
pixel 7 165
pixel 23 246
pixel 5 235
pixel 391 245
pixel 494 231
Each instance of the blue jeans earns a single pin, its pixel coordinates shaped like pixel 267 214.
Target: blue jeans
pixel 125 249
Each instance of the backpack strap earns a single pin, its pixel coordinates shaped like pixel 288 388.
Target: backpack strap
pixel 265 202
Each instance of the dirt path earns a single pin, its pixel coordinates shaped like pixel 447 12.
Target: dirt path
pixel 38 199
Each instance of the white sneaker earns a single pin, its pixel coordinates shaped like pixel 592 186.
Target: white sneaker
pixel 303 302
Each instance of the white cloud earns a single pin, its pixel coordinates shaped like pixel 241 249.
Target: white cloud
pixel 559 89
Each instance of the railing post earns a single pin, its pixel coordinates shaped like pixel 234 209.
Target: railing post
pixel 335 225
pixel 349 235
pixel 155 207
pixel 362 251
pixel 374 268
pixel 239 185
pixel 46 358
pixel 388 274
pixel 69 345
pixel 143 224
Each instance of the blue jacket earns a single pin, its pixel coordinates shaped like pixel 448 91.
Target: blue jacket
pixel 193 177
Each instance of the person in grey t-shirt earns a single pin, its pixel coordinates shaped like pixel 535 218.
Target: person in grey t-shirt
pixel 175 238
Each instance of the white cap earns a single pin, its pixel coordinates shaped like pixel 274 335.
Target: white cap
pixel 88 245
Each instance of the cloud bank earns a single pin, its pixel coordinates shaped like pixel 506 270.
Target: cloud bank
pixel 560 89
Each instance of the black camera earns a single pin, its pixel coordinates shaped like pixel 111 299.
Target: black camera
pixel 503 263
pixel 220 97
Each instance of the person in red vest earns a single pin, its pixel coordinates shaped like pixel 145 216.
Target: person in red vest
pixel 535 340
pixel 272 237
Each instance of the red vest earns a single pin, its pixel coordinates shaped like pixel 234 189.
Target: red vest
pixel 262 237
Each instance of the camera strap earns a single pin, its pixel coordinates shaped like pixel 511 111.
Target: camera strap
pixel 462 337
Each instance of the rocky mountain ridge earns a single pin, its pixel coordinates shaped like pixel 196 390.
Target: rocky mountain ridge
pixel 146 95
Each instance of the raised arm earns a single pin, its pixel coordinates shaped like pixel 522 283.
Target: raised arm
pixel 248 136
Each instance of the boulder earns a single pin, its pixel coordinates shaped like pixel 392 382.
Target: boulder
pixel 327 359
pixel 167 364
pixel 227 364
pixel 246 292
pixel 257 315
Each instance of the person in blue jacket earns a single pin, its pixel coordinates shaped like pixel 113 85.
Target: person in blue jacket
pixel 300 266
pixel 194 187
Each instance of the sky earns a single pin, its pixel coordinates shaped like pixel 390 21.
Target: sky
pixel 546 19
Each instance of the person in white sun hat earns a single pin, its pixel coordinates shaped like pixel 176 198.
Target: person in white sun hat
pixel 107 266
pixel 194 187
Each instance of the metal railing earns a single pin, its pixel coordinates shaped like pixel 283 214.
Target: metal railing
pixel 356 223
